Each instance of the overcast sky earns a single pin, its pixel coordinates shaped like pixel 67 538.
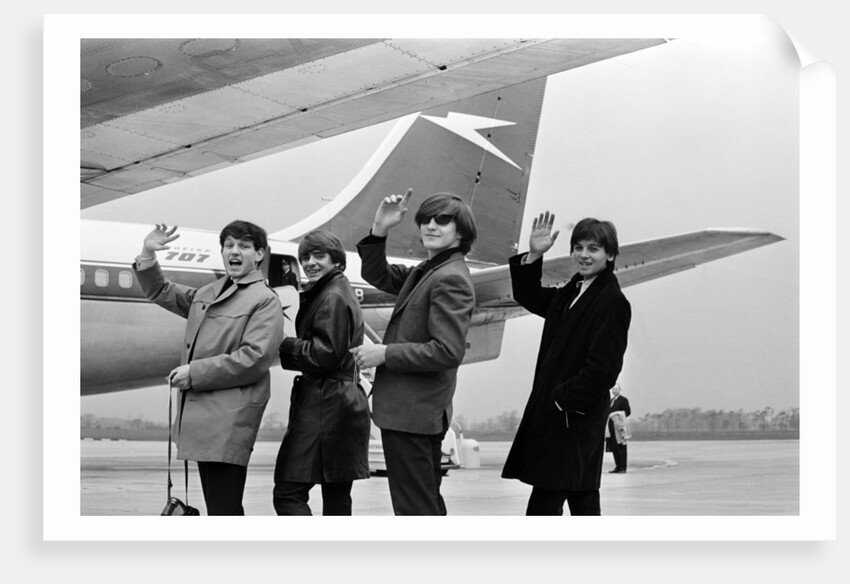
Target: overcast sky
pixel 694 134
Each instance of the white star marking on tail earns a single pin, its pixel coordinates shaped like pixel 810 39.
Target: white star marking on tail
pixel 466 126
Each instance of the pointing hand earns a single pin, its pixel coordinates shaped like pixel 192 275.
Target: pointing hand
pixel 390 213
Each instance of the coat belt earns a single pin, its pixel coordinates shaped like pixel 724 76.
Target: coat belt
pixel 338 375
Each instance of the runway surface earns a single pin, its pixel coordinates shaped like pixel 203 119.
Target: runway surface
pixel 665 478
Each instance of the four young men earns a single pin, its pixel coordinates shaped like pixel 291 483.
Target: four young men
pixel 235 328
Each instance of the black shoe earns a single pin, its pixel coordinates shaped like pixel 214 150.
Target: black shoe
pixel 615 471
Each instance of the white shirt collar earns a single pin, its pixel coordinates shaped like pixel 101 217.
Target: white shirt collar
pixel 585 284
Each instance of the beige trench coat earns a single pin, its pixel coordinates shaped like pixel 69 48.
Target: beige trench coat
pixel 230 342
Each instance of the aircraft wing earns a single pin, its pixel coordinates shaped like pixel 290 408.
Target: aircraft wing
pixel 155 111
pixel 638 262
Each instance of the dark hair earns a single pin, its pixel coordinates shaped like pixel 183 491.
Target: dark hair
pixel 244 230
pixel 325 241
pixel 449 204
pixel 602 232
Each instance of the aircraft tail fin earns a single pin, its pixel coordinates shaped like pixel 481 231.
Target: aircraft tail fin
pixel 480 149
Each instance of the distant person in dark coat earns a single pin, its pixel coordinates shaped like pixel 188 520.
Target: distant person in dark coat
pixel 560 442
pixel 423 345
pixel 327 440
pixel 616 435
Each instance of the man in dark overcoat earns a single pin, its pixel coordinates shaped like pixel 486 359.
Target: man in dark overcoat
pixel 560 442
pixel 327 439
pixel 616 423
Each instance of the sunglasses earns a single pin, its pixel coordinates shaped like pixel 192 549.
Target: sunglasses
pixel 441 219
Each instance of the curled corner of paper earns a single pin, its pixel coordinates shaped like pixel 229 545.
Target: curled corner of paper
pixel 806 56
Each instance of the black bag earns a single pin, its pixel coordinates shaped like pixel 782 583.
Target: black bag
pixel 174 506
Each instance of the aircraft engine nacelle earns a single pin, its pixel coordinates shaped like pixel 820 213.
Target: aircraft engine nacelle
pixel 484 342
pixel 483 339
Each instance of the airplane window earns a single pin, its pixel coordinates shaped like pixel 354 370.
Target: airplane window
pixel 125 279
pixel 82 276
pixel 101 278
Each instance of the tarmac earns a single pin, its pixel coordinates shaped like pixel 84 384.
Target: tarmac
pixel 664 478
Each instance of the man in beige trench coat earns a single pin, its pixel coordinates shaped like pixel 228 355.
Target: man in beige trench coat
pixel 233 331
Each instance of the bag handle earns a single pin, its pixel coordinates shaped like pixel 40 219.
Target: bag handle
pixel 185 462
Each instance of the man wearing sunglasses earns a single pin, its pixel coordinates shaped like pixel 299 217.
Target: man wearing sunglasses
pixel 424 343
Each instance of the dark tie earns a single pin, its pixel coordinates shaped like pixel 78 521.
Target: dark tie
pixel 575 298
pixel 227 284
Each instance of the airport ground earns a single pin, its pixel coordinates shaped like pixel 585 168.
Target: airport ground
pixel 665 478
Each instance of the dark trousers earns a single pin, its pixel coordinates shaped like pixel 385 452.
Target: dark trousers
pixel 413 472
pixel 223 485
pixel 620 455
pixel 551 502
pixel 291 498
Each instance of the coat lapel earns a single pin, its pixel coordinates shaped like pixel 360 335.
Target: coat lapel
pixel 571 320
pixel 194 327
pixel 308 296
pixel 408 291
pixel 409 286
pixel 220 296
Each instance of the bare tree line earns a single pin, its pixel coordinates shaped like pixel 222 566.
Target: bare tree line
pixel 676 422
pixel 697 420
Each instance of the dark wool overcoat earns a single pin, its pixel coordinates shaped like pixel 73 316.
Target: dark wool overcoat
pixel 560 440
pixel 327 439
